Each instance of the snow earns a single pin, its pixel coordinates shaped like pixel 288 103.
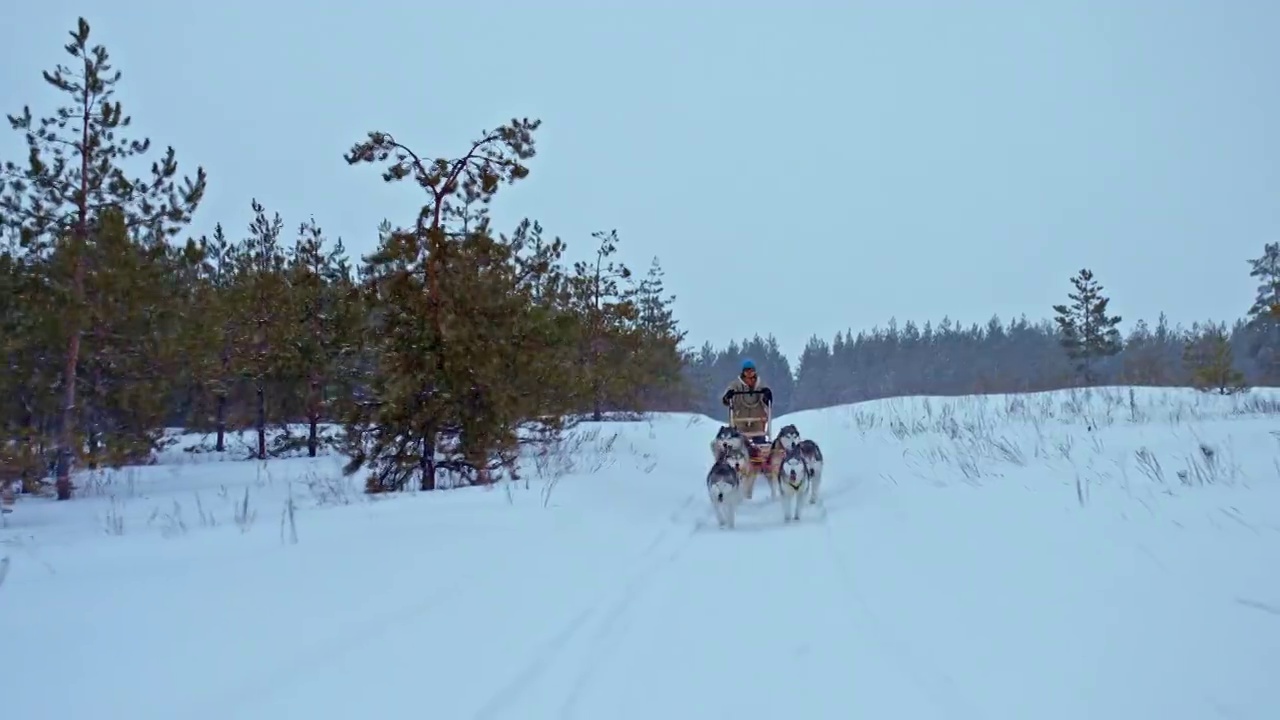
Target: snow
pixel 978 557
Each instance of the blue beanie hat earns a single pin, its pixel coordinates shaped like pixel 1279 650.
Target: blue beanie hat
pixel 748 364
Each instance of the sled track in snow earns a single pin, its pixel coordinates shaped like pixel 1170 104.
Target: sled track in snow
pixel 329 648
pixel 665 548
pixel 934 682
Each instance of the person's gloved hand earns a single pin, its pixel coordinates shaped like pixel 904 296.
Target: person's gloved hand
pixel 728 396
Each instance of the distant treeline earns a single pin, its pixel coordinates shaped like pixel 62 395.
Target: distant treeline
pixel 998 357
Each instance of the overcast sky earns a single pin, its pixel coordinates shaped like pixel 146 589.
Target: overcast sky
pixel 799 167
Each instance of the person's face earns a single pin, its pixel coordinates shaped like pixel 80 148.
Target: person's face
pixel 749 375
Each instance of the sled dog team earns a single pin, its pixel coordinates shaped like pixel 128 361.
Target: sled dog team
pixel 793 470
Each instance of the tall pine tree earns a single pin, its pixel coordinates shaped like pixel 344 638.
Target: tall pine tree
pixel 662 386
pixel 412 398
pixel 1087 333
pixel 1264 315
pixel 604 296
pixel 261 293
pixel 324 318
pixel 74 172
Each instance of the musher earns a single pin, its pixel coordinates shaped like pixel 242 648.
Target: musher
pixel 750 401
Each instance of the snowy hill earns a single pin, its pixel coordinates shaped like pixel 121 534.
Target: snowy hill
pixel 1094 554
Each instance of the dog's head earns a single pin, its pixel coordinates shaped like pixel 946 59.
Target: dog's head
pixel 729 437
pixel 792 469
pixel 735 458
pixel 788 437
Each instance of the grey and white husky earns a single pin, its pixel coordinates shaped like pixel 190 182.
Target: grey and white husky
pixel 812 455
pixel 728 437
pixel 793 483
pixel 724 485
pixel 787 438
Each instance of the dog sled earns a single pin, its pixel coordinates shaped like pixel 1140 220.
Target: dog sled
pixel 758 443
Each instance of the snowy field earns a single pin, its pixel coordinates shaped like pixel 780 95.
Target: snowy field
pixel 1102 554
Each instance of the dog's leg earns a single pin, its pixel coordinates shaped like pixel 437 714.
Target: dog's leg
pixel 815 480
pixel 731 513
pixel 800 500
pixel 715 506
pixel 748 483
pixel 785 501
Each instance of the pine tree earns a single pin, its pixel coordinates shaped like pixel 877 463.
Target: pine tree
pixel 1087 332
pixel 507 349
pixel 210 344
pixel 604 296
pixel 653 305
pixel 543 371
pixel 1208 357
pixel 662 358
pixel 1266 270
pixel 74 172
pixel 29 332
pixel 130 357
pixel 261 300
pixel 1264 314
pixel 411 398
pixel 324 317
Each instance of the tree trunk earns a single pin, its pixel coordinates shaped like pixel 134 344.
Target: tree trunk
pixel 93 434
pixel 221 420
pixel 67 435
pixel 262 422
pixel 313 417
pixel 427 463
pixel 220 423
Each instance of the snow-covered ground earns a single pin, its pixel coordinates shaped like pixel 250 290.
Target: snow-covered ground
pixel 1103 554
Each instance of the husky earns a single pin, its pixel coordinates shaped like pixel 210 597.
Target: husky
pixel 793 483
pixel 728 437
pixel 812 455
pixel 724 485
pixel 788 437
